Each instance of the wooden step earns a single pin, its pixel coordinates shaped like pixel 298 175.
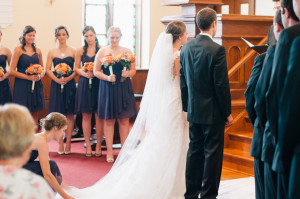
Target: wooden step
pixel 237 106
pixel 242 136
pixel 234 85
pixel 238 160
pixel 240 140
pixel 238 103
pixel 237 94
pixel 247 119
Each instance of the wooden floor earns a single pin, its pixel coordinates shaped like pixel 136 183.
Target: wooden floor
pixel 229 175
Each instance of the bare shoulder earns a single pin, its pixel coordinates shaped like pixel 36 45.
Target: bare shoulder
pixel 72 48
pixel 79 50
pixel 104 51
pixel 6 50
pixel 51 51
pixel 39 142
pixel 18 50
pixel 38 50
pixel 127 50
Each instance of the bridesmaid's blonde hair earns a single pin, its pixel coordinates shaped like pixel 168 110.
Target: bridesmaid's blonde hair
pixel 114 29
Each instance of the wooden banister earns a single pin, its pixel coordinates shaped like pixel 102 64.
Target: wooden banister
pixel 240 63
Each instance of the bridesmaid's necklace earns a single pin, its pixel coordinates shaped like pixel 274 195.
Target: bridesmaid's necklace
pixel 61 51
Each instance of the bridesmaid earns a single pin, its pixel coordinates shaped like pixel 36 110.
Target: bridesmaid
pixel 86 97
pixel 62 101
pixel 54 126
pixel 25 54
pixel 5 89
pixel 115 101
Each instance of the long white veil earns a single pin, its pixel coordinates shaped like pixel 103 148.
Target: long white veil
pixel 157 84
pixel 141 160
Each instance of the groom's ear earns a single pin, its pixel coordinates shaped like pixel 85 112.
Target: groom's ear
pixel 214 24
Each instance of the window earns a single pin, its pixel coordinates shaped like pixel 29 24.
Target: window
pixel 6 10
pixel 101 14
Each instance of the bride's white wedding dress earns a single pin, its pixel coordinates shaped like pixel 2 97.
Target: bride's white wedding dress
pixel 151 164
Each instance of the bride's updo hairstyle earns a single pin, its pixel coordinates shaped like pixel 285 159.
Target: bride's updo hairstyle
pixel 53 119
pixel 176 29
pixel 114 29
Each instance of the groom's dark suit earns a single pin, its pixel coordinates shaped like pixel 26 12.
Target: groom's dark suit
pixel 206 98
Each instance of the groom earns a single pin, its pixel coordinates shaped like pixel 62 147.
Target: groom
pixel 206 98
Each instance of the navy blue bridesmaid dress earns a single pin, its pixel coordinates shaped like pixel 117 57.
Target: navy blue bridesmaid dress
pixel 63 102
pixel 22 88
pixel 116 101
pixel 35 166
pixel 5 89
pixel 86 98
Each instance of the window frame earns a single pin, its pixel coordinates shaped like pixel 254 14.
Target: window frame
pixel 109 22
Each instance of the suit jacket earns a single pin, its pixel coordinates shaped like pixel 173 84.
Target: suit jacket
pixel 289 111
pixel 280 63
pixel 268 144
pixel 204 81
pixel 256 143
pixel 249 93
pixel 260 105
pixel 271 37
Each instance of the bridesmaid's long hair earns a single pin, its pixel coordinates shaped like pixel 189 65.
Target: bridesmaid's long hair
pixel 176 29
pixel 26 30
pixel 85 29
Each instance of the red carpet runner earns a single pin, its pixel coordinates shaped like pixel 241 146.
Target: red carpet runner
pixel 78 170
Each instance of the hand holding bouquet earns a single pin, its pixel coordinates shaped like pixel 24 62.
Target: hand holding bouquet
pixel 62 70
pixel 89 67
pixel 125 59
pixel 34 69
pixel 1 71
pixel 109 61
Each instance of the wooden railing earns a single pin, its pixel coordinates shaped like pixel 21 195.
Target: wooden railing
pixel 240 63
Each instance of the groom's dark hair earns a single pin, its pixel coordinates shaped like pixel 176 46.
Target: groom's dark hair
pixel 205 17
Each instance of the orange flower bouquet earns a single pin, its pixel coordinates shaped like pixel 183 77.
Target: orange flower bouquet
pixel 109 61
pixel 125 59
pixel 1 71
pixel 34 69
pixel 62 70
pixel 88 67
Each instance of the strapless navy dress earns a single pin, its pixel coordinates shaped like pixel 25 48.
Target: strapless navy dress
pixel 35 166
pixel 116 101
pixel 63 102
pixel 22 88
pixel 5 89
pixel 86 98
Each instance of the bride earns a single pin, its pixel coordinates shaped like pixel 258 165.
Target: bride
pixel 151 164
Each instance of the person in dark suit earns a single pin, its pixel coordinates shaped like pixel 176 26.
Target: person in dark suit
pixel 281 57
pixel 267 148
pixel 271 37
pixel 288 145
pixel 207 101
pixel 256 143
